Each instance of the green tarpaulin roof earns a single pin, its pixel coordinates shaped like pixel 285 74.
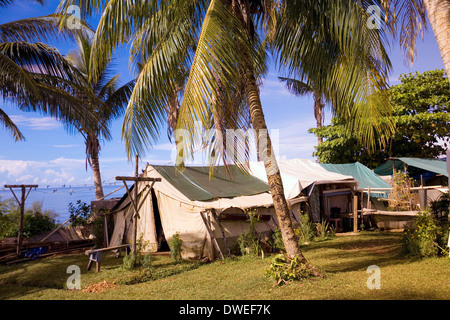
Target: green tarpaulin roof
pixel 365 176
pixel 195 182
pixel 430 165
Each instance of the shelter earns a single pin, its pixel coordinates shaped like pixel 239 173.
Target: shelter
pixel 207 214
pixel 311 188
pixel 430 171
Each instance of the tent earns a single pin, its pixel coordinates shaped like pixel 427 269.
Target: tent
pixel 307 181
pixel 299 174
pixel 418 165
pixel 366 177
pixel 208 214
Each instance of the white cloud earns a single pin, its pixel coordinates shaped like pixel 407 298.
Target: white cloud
pixel 44 123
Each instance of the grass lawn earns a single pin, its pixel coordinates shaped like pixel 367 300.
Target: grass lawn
pixel 343 261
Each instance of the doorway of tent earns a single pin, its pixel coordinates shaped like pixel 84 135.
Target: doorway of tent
pixel 163 246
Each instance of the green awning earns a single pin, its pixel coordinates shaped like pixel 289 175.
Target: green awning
pixel 195 182
pixel 366 177
pixel 426 165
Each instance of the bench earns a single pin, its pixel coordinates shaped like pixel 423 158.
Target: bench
pixel 95 254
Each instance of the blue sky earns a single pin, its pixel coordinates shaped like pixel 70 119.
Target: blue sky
pixel 52 156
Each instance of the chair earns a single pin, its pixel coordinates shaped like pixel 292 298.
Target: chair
pixel 335 217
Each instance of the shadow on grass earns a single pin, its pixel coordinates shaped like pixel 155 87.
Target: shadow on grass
pixel 344 254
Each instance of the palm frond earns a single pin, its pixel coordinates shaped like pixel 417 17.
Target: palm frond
pixel 9 125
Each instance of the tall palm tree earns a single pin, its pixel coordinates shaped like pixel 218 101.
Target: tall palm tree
pixel 220 41
pixel 22 56
pixel 103 97
pixel 407 20
pixel 300 88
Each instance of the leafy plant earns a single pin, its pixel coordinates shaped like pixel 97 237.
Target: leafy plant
pixel 426 236
pixel 249 242
pixel 283 270
pixel 305 232
pixel 36 220
pixel 80 212
pixel 129 261
pixel 175 247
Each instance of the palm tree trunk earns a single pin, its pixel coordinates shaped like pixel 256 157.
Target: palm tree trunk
pixel 93 154
pixel 318 114
pixel 273 173
pixel 439 16
pixel 241 9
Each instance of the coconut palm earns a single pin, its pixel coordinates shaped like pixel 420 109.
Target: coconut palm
pixel 220 41
pixel 22 56
pixel 103 97
pixel 300 88
pixel 439 16
pixel 407 20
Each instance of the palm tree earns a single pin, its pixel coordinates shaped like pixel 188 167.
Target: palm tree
pixel 103 97
pixel 22 56
pixel 300 88
pixel 220 41
pixel 439 16
pixel 406 19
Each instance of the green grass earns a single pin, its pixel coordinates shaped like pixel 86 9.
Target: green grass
pixel 343 261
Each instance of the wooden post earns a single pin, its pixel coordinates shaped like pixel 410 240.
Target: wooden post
pixel 21 203
pixel 136 215
pixel 355 212
pixel 369 206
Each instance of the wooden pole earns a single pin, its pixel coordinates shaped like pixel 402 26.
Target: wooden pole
pixel 136 175
pixel 355 212
pixel 22 213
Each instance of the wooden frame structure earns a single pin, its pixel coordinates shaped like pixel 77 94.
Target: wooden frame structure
pixel 135 200
pixel 21 203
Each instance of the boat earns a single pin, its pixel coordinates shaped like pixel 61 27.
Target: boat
pixel 391 219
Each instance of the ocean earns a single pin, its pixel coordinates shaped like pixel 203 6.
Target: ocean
pixel 58 199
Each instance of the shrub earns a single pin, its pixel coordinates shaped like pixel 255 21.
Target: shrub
pixel 129 261
pixel 249 242
pixel 305 232
pixel 277 240
pixel 425 236
pixel 283 270
pixel 35 221
pixel 80 213
pixel 175 247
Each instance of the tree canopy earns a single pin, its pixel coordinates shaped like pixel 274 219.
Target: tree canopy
pixel 420 112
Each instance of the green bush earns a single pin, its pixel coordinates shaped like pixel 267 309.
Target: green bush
pixel 283 270
pixel 80 213
pixel 129 261
pixel 35 221
pixel 426 236
pixel 306 231
pixel 175 247
pixel 249 242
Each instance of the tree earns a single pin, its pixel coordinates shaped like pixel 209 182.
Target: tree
pixel 439 16
pixel 300 88
pixel 406 19
pixel 420 111
pixel 23 56
pixel 220 41
pixel 103 97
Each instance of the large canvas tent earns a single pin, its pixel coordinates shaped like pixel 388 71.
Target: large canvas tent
pixel 208 214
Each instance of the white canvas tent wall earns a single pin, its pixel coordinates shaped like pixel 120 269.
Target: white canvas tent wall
pixel 301 174
pixel 182 215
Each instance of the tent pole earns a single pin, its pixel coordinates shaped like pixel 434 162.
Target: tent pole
pixel 213 212
pixel 355 212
